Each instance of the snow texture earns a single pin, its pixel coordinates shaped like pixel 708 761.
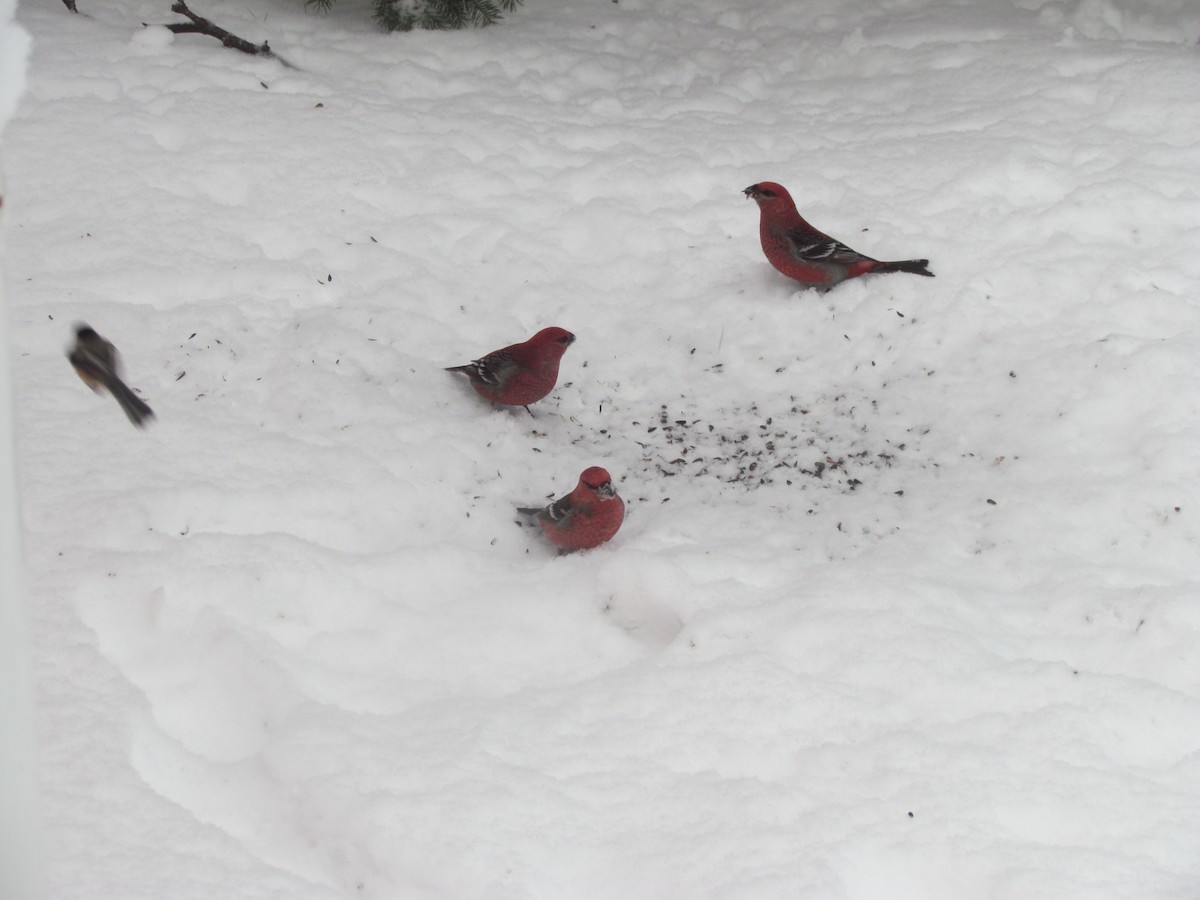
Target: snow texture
pixel 19 852
pixel 905 603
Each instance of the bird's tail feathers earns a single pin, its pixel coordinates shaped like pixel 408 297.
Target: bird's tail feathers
pixel 135 407
pixel 530 510
pixel 914 266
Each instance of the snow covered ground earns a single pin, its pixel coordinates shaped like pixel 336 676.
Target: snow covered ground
pixel 905 604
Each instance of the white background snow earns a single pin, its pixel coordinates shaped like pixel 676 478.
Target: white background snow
pixel 18 777
pixel 905 604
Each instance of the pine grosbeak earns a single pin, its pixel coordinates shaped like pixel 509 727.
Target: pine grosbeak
pixel 99 365
pixel 811 257
pixel 586 517
pixel 519 374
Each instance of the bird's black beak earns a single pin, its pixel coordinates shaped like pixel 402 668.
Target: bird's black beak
pixel 606 491
pixel 751 192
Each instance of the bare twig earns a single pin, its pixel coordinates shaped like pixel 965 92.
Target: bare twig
pixel 201 25
pixel 70 4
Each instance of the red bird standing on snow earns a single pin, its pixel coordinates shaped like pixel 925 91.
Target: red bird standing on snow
pixel 519 374
pixel 812 257
pixel 586 517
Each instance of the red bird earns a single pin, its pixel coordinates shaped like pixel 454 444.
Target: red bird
pixel 586 517
pixel 519 374
pixel 98 364
pixel 812 257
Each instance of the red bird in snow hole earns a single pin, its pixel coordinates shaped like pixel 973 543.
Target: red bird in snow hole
pixel 585 518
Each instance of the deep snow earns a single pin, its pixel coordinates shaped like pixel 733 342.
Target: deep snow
pixel 19 849
pixel 905 604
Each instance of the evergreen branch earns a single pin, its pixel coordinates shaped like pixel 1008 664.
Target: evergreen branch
pixel 404 15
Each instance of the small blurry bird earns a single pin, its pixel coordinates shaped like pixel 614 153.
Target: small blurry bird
pixel 99 365
pixel 812 257
pixel 519 374
pixel 585 518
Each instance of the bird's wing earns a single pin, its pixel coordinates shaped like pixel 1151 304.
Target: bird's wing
pixel 494 369
pixel 97 366
pixel 812 246
pixel 560 511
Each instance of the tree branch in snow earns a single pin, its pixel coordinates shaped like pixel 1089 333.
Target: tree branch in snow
pixel 70 4
pixel 201 25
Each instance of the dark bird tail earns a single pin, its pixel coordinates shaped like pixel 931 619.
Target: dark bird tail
pixel 466 370
pixel 135 407
pixel 529 510
pixel 913 266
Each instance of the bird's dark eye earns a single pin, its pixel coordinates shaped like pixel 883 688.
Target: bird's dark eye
pixel 764 192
